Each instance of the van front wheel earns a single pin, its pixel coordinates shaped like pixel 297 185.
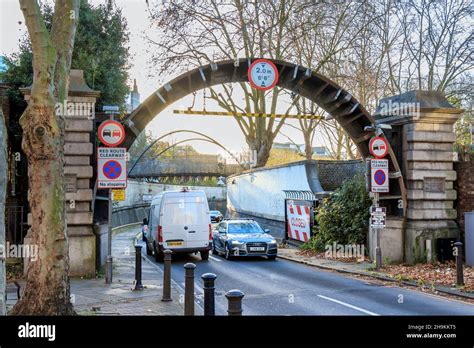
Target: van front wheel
pixel 205 255
pixel 148 249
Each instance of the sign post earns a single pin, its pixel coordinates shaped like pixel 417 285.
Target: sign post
pixel 379 183
pixel 111 171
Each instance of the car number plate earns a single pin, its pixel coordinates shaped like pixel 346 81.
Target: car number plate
pixel 175 243
pixel 257 248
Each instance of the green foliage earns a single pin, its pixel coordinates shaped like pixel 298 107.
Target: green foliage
pixel 462 129
pixel 100 49
pixel 343 217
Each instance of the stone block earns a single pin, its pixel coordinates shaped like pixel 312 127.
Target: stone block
pixel 428 156
pixel 77 137
pixel 79 218
pixel 418 231
pixel 429 146
pixel 77 160
pixel 435 137
pixel 429 127
pixel 78 149
pixel 431 204
pixel 80 171
pixel 80 231
pixel 431 214
pixel 82 254
pixel 78 207
pixel 430 165
pixel 449 175
pixel 420 194
pixel 79 125
pixel 83 183
pixel 80 195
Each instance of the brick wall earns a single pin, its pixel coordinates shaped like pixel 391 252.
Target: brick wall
pixel 332 174
pixel 465 188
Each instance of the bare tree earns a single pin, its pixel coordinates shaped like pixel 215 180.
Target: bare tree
pixel 438 42
pixel 47 290
pixel 310 33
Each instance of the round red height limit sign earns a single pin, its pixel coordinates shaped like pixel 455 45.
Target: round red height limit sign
pixel 263 74
pixel 378 147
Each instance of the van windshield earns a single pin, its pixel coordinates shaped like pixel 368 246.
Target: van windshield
pixel 187 213
pixel 196 214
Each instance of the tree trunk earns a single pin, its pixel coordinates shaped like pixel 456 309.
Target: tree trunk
pixel 261 149
pixel 47 289
pixel 308 148
pixel 3 189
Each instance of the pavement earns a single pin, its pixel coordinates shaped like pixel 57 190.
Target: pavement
pixel 363 268
pixel 94 297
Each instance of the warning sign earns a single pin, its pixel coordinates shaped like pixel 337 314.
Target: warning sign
pixel 111 167
pixel 379 175
pixel 378 146
pixel 377 217
pixel 298 217
pixel 111 133
pixel 118 195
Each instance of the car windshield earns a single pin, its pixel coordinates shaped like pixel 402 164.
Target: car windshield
pixel 244 227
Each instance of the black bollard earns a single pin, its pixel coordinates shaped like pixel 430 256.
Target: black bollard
pixel 138 268
pixel 459 264
pixel 189 289
pixel 167 276
pixel 234 298
pixel 209 301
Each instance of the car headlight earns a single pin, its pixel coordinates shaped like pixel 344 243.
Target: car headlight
pixel 273 242
pixel 236 242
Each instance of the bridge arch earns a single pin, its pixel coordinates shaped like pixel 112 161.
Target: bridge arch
pixel 339 103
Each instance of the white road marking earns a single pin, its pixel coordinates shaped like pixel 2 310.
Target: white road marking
pixel 349 305
pixel 214 258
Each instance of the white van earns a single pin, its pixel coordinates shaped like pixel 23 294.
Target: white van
pixel 179 221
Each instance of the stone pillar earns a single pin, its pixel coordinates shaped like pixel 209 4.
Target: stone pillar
pixel 424 122
pixel 79 114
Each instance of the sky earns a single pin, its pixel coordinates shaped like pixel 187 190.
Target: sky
pixel 224 130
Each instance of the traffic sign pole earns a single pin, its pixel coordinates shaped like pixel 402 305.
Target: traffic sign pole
pixel 109 261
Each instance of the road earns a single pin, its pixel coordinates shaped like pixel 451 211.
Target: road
pixel 284 287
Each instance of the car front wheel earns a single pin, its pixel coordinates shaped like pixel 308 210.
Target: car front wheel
pixel 204 255
pixel 271 258
pixel 228 254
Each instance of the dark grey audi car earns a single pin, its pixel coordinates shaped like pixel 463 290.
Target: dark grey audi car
pixel 242 237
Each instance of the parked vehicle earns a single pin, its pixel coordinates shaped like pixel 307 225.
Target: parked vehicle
pixel 179 221
pixel 243 238
pixel 216 216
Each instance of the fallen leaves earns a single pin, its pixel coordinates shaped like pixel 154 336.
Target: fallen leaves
pixel 443 274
